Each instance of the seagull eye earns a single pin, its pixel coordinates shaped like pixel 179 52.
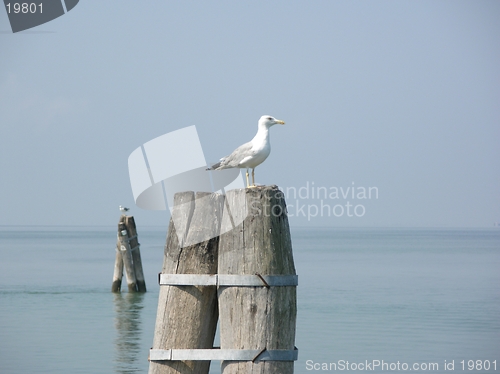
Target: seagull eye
pixel 269 118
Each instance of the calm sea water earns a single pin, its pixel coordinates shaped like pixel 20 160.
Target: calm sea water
pixel 409 295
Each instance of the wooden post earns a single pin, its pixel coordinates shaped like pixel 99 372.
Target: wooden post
pixel 136 253
pixel 118 273
pixel 257 317
pixel 128 255
pixel 125 249
pixel 187 315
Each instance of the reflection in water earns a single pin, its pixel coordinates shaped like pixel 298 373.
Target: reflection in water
pixel 128 308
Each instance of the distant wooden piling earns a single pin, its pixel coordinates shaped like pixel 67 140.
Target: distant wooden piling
pixel 126 251
pixel 128 256
pixel 136 253
pixel 260 318
pixel 118 273
pixel 187 315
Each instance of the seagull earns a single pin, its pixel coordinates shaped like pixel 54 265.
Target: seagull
pixel 253 153
pixel 123 209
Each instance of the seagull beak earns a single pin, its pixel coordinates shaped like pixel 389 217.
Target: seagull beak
pixel 280 122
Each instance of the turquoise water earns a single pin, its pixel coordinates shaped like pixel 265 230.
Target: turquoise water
pixel 417 296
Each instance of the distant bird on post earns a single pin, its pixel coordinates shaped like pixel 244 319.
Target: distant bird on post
pixel 123 209
pixel 253 153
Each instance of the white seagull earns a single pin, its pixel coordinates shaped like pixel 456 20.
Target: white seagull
pixel 123 209
pixel 253 153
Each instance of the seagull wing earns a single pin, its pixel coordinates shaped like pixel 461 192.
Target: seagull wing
pixel 237 157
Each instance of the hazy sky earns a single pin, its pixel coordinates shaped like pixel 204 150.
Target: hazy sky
pixel 403 96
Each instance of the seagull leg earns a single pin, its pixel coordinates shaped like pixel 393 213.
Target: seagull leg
pixel 253 180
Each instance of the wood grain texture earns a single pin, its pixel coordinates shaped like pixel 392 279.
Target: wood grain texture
pixel 257 317
pixel 187 315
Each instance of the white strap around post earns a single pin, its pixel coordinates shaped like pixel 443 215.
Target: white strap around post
pixel 254 355
pixel 228 280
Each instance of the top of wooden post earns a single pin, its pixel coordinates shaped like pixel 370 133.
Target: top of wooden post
pixel 262 238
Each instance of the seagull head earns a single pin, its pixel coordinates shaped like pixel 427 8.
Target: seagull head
pixel 269 121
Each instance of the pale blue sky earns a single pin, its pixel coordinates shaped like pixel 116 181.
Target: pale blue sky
pixel 399 95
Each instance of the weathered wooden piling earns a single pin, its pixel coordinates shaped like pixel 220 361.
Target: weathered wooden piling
pixel 128 256
pixel 128 261
pixel 118 273
pixel 261 318
pixel 136 253
pixel 187 315
pixel 250 264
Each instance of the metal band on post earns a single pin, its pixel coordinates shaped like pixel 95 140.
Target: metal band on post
pixel 228 280
pixel 254 355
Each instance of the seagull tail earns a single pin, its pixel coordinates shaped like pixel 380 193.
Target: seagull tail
pixel 215 166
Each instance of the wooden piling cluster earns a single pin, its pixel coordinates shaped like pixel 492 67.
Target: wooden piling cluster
pixel 254 246
pixel 128 256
